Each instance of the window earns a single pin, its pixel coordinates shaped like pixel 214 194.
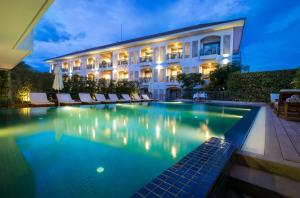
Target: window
pixel 211 48
pixel 155 75
pixel 131 75
pixel 187 50
pixel 155 93
pixel 194 69
pixel 131 58
pixel 162 53
pixel 226 44
pixel 156 54
pixel 161 75
pixel 186 70
pixel 195 49
pixel 136 75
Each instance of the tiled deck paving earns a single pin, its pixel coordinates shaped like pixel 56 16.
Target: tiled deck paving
pixel 195 174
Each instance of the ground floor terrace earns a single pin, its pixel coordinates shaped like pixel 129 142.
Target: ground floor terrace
pixel 159 82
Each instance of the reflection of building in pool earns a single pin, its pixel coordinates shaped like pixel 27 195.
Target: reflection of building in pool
pixel 115 128
pixel 156 60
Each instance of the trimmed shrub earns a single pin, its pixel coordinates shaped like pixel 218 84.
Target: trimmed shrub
pixel 257 86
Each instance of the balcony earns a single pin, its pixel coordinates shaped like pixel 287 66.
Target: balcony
pixel 174 56
pixel 76 68
pixel 210 51
pixel 145 79
pixel 123 62
pixel 64 69
pixel 146 59
pixel 90 66
pixel 172 78
pixel 105 64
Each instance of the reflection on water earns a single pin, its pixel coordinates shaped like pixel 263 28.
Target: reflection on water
pixel 158 134
pixel 158 130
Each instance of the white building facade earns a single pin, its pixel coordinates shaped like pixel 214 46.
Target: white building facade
pixel 156 60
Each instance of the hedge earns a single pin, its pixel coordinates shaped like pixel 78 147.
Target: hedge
pixel 257 86
pixel 3 88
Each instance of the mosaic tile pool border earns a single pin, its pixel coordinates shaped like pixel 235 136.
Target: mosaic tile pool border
pixel 195 174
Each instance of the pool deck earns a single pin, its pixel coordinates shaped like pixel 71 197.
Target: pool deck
pixel 277 170
pixel 282 147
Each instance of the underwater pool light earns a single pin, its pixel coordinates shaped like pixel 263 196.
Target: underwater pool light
pixel 100 169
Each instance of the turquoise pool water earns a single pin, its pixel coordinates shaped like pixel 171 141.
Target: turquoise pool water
pixel 102 150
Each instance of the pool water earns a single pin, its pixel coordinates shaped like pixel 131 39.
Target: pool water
pixel 101 150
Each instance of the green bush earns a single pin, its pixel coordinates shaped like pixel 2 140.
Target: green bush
pixel 77 84
pixel 257 86
pixel 219 77
pixel 296 81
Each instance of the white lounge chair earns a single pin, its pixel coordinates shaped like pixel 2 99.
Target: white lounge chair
pixel 65 99
pixel 137 98
pixel 101 98
pixel 126 97
pixel 39 99
pixel 146 97
pixel 114 98
pixel 87 99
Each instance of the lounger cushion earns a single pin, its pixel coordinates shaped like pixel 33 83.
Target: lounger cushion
pixel 39 99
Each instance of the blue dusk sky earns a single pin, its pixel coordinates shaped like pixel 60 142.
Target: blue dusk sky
pixel 271 36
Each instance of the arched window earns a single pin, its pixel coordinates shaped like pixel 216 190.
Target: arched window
pixel 210 45
pixel 91 76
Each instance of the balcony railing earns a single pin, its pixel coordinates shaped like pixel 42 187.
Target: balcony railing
pixel 172 78
pixel 122 62
pixel 145 79
pixel 146 59
pixel 171 56
pixel 76 68
pixel 105 65
pixel 210 51
pixel 64 69
pixel 90 66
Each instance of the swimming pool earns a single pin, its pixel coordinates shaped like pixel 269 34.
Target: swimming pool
pixel 101 150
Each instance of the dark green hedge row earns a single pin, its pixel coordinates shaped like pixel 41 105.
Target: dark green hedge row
pixel 3 88
pixel 257 86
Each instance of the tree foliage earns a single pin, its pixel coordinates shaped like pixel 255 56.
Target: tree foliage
pixel 296 80
pixel 219 77
pixel 25 79
pixel 77 84
pixel 190 81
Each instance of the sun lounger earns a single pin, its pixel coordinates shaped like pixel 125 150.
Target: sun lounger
pixel 40 99
pixel 101 98
pixel 146 97
pixel 87 99
pixel 126 97
pixel 114 98
pixel 65 99
pixel 137 98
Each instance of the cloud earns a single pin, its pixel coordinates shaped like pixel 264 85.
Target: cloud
pixel 49 31
pixel 194 11
pixel 270 37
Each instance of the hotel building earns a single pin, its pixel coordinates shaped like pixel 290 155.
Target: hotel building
pixel 155 60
